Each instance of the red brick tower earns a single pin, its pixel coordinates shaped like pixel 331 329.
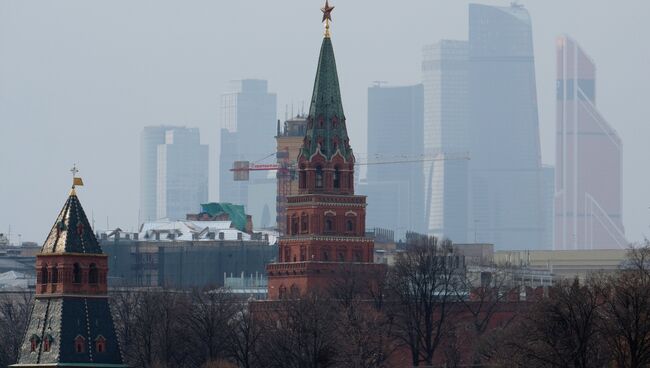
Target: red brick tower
pixel 326 222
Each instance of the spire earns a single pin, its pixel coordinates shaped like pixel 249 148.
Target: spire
pixel 71 232
pixel 326 130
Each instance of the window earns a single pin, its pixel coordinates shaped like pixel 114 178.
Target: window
pixel 357 256
pixel 341 256
pixel 76 273
pixel 349 225
pixel 287 254
pixel 47 342
pixel 100 344
pixel 295 292
pixel 303 254
pixel 319 176
pixel 294 224
pixel 44 278
pixel 93 274
pixel 304 223
pixel 326 255
pixel 34 340
pixel 302 177
pixel 337 178
pixel 55 275
pixel 329 225
pixel 282 292
pixel 79 344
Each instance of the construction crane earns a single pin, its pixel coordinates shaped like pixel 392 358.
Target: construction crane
pixel 242 169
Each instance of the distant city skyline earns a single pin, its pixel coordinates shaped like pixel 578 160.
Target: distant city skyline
pixel 91 72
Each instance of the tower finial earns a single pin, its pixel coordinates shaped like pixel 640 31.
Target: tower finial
pixel 327 17
pixel 75 179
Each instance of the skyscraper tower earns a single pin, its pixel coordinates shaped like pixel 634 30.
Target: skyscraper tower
pixel 70 324
pixel 403 209
pixel 505 166
pixel 445 77
pixel 249 116
pixel 182 174
pixel 326 221
pixel 173 172
pixel 588 210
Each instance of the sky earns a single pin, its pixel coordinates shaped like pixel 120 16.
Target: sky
pixel 80 79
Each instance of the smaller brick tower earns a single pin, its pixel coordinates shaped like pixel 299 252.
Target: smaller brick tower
pixel 325 227
pixel 71 323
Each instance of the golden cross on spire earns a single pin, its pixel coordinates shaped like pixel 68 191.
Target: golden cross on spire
pixel 327 17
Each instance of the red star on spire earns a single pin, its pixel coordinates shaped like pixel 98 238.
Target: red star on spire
pixel 327 11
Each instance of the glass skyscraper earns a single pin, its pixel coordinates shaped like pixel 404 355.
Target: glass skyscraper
pixel 182 174
pixel 249 123
pixel 505 168
pixel 445 79
pixel 588 210
pixel 395 195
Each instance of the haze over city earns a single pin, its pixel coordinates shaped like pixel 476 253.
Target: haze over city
pixel 79 81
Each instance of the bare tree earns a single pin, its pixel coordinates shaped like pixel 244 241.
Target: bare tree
pixel 15 309
pixel 559 331
pixel 627 311
pixel 300 333
pixel 423 284
pixel 482 294
pixel 364 324
pixel 208 318
pixel 244 337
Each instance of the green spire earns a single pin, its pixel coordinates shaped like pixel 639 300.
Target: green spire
pixel 326 118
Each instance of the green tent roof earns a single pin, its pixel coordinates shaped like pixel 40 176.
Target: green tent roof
pixel 235 212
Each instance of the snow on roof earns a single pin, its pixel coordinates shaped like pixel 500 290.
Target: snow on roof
pixel 190 231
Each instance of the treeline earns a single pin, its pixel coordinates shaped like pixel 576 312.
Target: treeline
pixel 424 311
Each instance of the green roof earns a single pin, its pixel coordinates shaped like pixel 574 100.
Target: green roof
pixel 326 107
pixel 235 212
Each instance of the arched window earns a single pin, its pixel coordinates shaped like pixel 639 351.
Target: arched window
pixel 47 342
pixel 55 275
pixel 319 176
pixel 337 178
pixel 93 274
pixel 34 340
pixel 302 178
pixel 76 274
pixel 304 223
pixel 287 254
pixel 341 256
pixel 349 225
pixel 79 344
pixel 357 255
pixel 282 292
pixel 294 224
pixel 326 255
pixel 44 275
pixel 295 292
pixel 329 224
pixel 100 344
pixel 303 254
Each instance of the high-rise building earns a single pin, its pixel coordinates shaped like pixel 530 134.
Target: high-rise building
pixel 249 115
pixel 505 166
pixel 446 198
pixel 588 210
pixel 325 235
pixel 70 322
pixel 395 131
pixel 182 174
pixel 150 138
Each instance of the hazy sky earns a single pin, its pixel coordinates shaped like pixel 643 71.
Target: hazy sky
pixel 80 79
